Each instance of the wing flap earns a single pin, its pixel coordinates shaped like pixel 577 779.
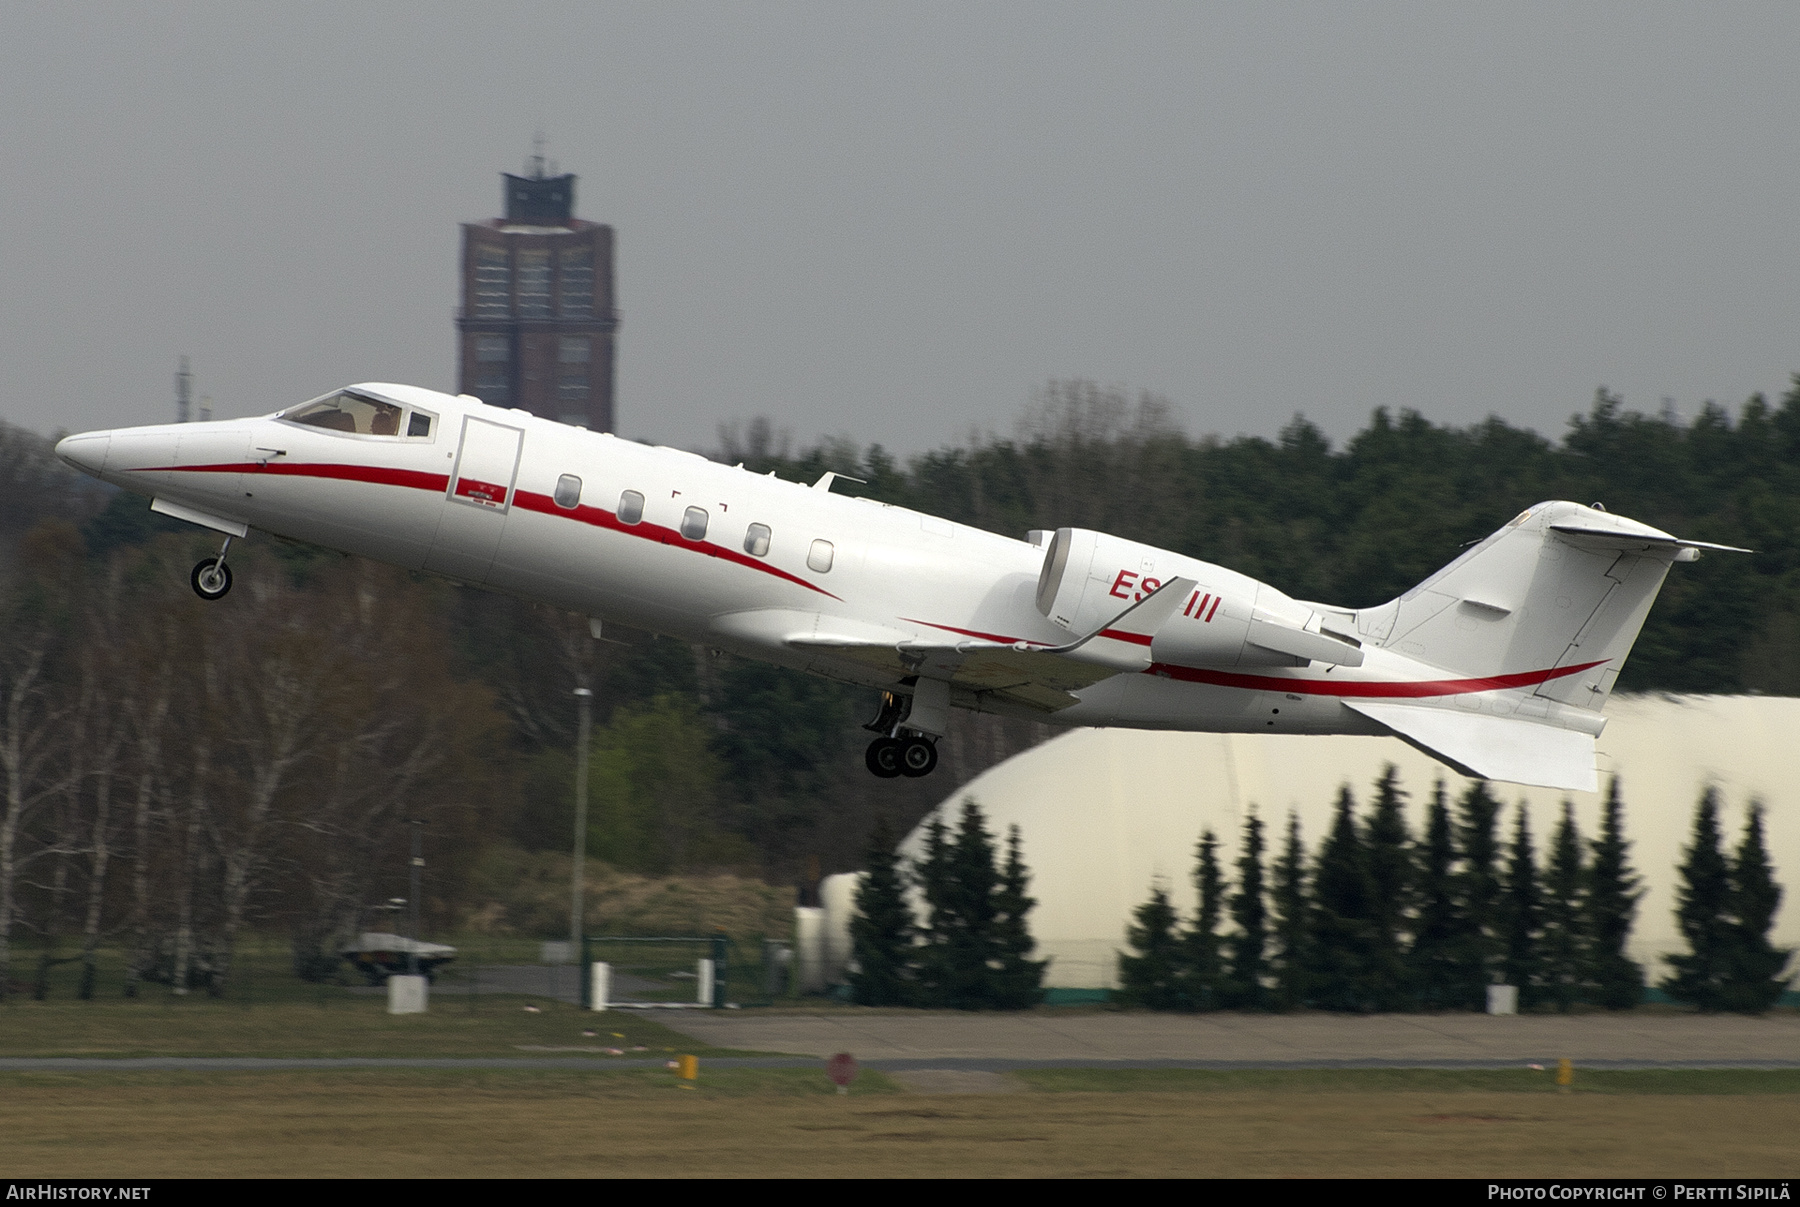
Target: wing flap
pixel 1488 747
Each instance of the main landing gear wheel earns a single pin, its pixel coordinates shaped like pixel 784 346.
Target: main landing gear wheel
pixel 211 578
pixel 918 756
pixel 883 758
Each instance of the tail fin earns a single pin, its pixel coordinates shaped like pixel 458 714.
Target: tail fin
pixel 1561 587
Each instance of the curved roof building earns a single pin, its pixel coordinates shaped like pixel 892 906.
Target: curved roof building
pixel 1106 813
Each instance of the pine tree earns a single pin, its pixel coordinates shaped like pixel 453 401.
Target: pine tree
pixel 1432 959
pixel 1562 947
pixel 1614 980
pixel 1018 979
pixel 969 949
pixel 1288 896
pixel 1756 982
pixel 1250 914
pixel 881 930
pixel 1476 950
pixel 1343 927
pixel 933 874
pixel 1150 975
pixel 1703 914
pixel 1521 963
pixel 1391 875
pixel 1205 971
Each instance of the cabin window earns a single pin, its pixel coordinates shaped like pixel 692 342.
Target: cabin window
pixel 631 507
pixel 347 412
pixel 693 523
pixel 568 490
pixel 419 424
pixel 756 540
pixel 818 558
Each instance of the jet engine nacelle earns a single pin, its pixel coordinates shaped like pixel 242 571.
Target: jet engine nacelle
pixel 1228 620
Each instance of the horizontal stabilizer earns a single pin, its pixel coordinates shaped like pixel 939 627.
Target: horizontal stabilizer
pixel 1493 748
pixel 1636 536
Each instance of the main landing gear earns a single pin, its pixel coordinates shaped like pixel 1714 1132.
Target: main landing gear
pixel 897 751
pixel 212 577
pixel 913 755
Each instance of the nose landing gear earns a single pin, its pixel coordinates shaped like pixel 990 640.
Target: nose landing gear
pixel 211 578
pixel 898 752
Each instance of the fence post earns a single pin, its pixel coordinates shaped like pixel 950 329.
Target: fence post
pixel 721 969
pixel 704 990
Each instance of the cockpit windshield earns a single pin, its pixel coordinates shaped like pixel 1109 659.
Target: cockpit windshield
pixel 359 414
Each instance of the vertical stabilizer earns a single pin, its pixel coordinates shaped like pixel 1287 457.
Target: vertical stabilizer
pixel 1561 587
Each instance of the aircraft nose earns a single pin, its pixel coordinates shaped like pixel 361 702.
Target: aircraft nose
pixel 85 451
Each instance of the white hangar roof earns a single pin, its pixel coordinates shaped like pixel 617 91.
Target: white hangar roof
pixel 1105 813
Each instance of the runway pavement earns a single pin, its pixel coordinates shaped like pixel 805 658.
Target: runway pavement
pixel 900 1040
pixel 1259 1039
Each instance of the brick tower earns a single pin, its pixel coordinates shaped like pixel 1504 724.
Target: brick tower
pixel 538 320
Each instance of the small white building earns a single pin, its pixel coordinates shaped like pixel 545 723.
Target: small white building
pixel 1104 814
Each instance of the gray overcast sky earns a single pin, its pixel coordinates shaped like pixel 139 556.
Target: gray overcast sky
pixel 894 220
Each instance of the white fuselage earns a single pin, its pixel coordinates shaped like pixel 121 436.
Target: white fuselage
pixel 476 501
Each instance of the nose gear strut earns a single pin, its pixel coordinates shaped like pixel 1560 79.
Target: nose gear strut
pixel 212 577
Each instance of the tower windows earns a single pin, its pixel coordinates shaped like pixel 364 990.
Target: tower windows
pixel 572 356
pixel 577 266
pixel 493 363
pixel 534 284
pixel 493 286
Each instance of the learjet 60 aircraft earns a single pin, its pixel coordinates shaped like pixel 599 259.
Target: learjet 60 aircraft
pixel 1498 664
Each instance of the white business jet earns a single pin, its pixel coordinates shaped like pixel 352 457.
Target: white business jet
pixel 1498 664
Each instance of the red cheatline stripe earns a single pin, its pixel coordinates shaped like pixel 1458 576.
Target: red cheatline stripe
pixel 381 475
pixel 1132 638
pixel 1365 689
pixel 950 628
pixel 1316 687
pixel 527 500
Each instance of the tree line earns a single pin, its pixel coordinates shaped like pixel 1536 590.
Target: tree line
pixel 972 948
pixel 1360 523
pixel 1380 920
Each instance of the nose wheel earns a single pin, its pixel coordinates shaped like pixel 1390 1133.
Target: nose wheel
pixel 911 756
pixel 212 577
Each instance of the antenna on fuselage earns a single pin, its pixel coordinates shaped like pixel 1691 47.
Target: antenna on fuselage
pixel 825 482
